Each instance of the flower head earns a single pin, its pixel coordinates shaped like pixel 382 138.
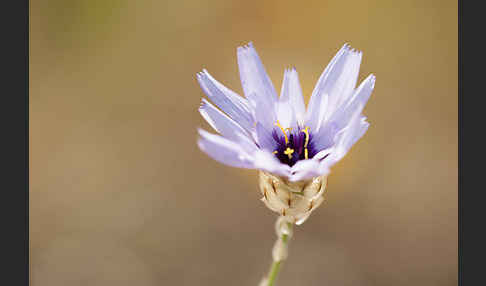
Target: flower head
pixel 277 135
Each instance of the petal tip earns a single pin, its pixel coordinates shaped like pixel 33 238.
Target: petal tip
pixel 202 132
pixel 372 79
pixel 245 47
pixel 202 104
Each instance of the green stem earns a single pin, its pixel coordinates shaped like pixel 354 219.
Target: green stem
pixel 275 267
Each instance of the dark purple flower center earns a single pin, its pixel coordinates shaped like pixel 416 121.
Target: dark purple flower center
pixel 293 146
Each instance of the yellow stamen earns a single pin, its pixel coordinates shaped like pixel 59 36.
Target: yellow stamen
pixel 289 152
pixel 283 131
pixel 275 152
pixel 306 131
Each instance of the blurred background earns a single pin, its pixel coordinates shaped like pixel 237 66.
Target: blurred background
pixel 121 195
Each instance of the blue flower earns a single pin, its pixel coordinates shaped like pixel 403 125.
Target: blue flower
pixel 277 134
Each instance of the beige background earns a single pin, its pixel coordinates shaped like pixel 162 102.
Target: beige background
pixel 121 195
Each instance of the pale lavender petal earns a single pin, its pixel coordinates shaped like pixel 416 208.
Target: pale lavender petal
pixel 285 112
pixel 291 107
pixel 219 121
pixel 231 103
pixel 224 151
pixel 265 113
pixel 358 132
pixel 304 169
pixel 341 117
pixel 345 84
pixel 254 78
pixel 324 139
pixel 337 82
pixel 225 125
pixel 363 92
pixel 265 139
pixel 323 153
pixel 355 103
pixel 319 99
pixel 346 138
pixel 314 119
pixel 296 97
pixel 266 161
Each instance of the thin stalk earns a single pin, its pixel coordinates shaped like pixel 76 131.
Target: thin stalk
pixel 276 264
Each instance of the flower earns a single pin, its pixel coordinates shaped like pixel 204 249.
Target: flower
pixel 277 135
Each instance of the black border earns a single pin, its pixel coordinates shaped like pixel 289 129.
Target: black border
pixel 14 211
pixel 471 112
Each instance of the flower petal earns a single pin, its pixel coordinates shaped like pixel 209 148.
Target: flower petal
pixel 305 169
pixel 322 153
pixel 265 139
pixel 359 131
pixel 266 161
pixel 346 138
pixel 355 103
pixel 296 97
pixel 336 82
pixel 231 103
pixel 285 113
pixel 254 78
pixel 224 124
pixel 291 107
pixel 223 150
pixel 319 99
pixel 265 113
pixel 345 84
pixel 324 139
pixel 341 117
